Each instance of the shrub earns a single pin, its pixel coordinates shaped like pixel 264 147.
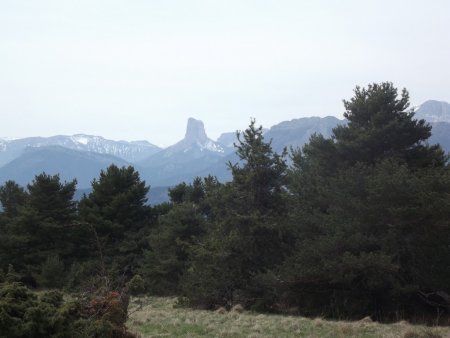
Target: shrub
pixel 24 314
pixel 136 285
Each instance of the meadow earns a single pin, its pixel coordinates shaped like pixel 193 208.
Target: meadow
pixel 160 317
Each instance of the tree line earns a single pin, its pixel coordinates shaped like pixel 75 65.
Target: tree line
pixel 349 226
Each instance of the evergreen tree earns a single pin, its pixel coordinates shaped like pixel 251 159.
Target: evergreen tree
pixel 259 178
pixel 12 197
pixel 245 235
pixel 170 242
pixel 370 210
pixel 118 217
pixel 379 127
pixel 51 199
pixel 41 224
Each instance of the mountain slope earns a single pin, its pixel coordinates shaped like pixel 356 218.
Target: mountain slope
pixel 434 111
pixel 297 132
pixel 227 139
pixel 194 145
pixel 70 164
pixel 185 159
pixel 437 113
pixel 441 134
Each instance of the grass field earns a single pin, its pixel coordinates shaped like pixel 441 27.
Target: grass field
pixel 157 317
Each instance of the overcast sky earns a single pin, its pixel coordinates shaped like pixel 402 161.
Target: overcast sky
pixel 138 69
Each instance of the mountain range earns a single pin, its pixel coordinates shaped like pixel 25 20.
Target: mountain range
pixel 128 151
pixel 83 156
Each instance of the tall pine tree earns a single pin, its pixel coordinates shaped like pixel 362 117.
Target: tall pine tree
pixel 370 209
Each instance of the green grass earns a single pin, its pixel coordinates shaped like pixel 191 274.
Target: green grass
pixel 157 317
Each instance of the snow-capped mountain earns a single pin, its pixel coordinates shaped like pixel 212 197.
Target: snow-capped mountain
pixel 129 151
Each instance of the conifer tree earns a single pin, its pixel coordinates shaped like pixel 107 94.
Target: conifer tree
pixel 12 197
pixel 171 240
pixel 259 178
pixel 246 236
pixel 42 226
pixel 370 209
pixel 117 212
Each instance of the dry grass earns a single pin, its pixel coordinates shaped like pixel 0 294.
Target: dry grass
pixel 157 317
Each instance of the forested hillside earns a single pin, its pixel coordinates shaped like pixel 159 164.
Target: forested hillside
pixel 357 224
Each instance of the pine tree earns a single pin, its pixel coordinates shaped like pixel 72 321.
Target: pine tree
pixel 117 213
pixel 171 241
pixel 370 210
pixel 51 199
pixel 12 197
pixel 42 226
pixel 245 235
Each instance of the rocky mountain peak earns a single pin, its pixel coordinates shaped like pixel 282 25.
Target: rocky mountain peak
pixel 195 131
pixel 434 111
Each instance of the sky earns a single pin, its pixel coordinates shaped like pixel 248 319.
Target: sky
pixel 138 69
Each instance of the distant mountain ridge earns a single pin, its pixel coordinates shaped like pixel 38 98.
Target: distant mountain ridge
pixel 296 133
pixel 128 151
pixel 83 156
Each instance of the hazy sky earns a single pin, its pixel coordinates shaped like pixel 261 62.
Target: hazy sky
pixel 138 69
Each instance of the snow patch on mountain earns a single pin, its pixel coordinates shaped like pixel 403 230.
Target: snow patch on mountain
pixel 83 139
pixel 196 137
pixel 213 146
pixel 129 151
pixel 434 111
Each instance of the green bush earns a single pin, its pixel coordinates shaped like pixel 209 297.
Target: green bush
pixel 12 275
pixel 24 314
pixel 136 285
